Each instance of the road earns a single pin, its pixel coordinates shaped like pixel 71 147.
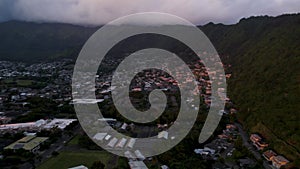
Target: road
pixel 245 138
pixel 250 147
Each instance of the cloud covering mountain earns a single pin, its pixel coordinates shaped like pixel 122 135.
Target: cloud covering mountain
pixel 97 12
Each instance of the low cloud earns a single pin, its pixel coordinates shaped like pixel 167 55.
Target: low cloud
pixel 97 12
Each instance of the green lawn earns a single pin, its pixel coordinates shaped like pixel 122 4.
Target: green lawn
pixel 70 159
pixel 74 140
pixel 19 82
pixel 24 82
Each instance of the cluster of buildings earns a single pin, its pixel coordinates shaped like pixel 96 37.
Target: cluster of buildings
pixel 36 126
pixel 229 133
pixel 113 142
pixel 277 161
pixel 135 158
pixel 220 146
pixel 223 147
pixel 131 150
pixel 155 79
pixel 13 98
pixel 32 81
pixel 14 69
pixel 152 79
pixel 10 69
pixel 13 102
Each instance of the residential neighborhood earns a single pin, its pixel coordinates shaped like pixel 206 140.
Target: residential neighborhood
pixel 39 134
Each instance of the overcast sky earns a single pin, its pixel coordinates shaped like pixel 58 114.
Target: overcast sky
pixel 98 12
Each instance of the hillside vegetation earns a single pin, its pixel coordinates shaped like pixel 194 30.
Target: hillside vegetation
pixel 265 56
pixel 35 42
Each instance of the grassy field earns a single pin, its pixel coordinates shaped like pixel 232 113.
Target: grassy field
pixel 74 140
pixel 19 82
pixel 15 82
pixel 70 159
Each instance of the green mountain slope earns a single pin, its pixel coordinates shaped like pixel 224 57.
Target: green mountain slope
pixel 265 56
pixel 33 42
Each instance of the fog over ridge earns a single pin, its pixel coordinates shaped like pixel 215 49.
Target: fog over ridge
pixel 98 12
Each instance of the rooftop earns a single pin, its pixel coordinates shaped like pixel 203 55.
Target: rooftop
pixel 269 154
pixel 281 159
pixel 137 165
pixel 27 143
pixel 79 167
pixel 26 139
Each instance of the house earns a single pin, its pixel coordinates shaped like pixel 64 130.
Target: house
pixel 139 155
pixel 164 167
pixel 279 161
pixel 121 143
pixel 162 126
pixel 130 156
pixel 137 165
pixel 59 123
pixel 38 125
pixel 112 142
pixel 231 127
pixel 207 150
pixel 79 167
pixel 4 119
pixel 18 126
pixel 99 136
pixel 261 145
pixel 233 111
pixel 212 151
pixel 223 136
pixel 255 138
pixel 201 152
pixel 257 142
pixel 269 155
pixel 131 142
pixel 137 89
pixel 124 126
pixel 163 134
pixel 28 143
